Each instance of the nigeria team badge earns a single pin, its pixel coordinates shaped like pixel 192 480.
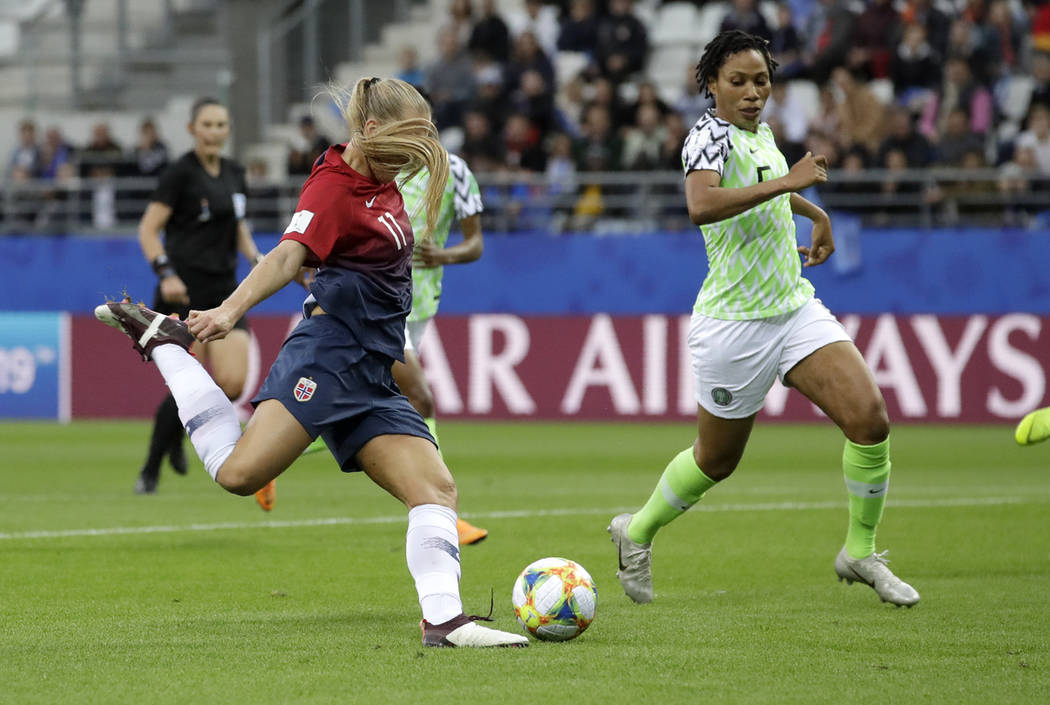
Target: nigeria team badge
pixel 304 389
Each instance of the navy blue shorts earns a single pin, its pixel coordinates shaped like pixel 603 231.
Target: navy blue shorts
pixel 338 390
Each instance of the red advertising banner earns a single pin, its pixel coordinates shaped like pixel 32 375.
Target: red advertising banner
pixel 966 369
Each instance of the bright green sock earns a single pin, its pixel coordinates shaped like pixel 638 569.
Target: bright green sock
pixel 867 471
pixel 680 487
pixel 432 424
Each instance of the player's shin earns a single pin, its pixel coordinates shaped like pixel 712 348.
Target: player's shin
pixel 432 552
pixel 867 472
pixel 204 409
pixel 681 486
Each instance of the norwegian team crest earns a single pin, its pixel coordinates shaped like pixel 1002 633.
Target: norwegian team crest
pixel 304 389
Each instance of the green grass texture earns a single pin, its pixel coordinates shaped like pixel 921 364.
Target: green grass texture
pixel 193 595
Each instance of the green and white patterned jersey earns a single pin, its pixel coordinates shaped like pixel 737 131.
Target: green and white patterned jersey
pixel 754 270
pixel 462 199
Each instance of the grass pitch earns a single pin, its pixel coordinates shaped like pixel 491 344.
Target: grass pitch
pixel 197 596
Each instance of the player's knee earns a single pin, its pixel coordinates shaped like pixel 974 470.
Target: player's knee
pixel 717 466
pixel 235 478
pixel 437 491
pixel 871 425
pixel 231 384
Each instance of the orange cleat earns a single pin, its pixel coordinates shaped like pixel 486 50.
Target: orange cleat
pixel 468 533
pixel 267 495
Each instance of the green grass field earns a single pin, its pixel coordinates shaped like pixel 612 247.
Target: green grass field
pixel 197 596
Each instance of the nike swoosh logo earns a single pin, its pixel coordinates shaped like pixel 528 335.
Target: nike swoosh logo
pixel 754 149
pixel 369 202
pixel 874 491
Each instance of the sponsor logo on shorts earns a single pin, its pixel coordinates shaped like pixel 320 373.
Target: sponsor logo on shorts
pixel 721 396
pixel 304 389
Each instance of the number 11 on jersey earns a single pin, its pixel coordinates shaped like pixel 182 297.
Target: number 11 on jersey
pixel 388 220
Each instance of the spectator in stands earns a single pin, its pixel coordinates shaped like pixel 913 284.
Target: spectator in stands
pixel 1020 185
pixel 830 37
pixel 598 148
pixel 24 162
pixel 1040 23
pixel 490 37
pixel 306 148
pixel 936 24
pixel 861 115
pixel 623 43
pixel 1000 36
pixel 408 67
pixel 481 149
pixel 642 142
pixel 522 148
pixel 1037 137
pixel 898 195
pixel 541 20
pixel 1041 77
pixel 560 175
pixel 450 79
pixel 873 41
pixel 528 56
pixel 786 45
pixel 744 15
pixel 903 138
pixel 460 22
pixel 968 198
pixel 150 154
pixel 103 157
pixel 491 97
pixel 675 131
pixel 788 118
pixel 958 139
pixel 56 156
pixel 647 95
pixel 263 207
pixel 848 192
pixel 579 29
pixel 534 98
pixel 958 90
pixel 692 103
pixel 915 66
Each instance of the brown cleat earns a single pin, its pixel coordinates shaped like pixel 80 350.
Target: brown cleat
pixel 465 631
pixel 147 329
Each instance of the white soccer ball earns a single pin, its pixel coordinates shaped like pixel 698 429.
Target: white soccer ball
pixel 554 599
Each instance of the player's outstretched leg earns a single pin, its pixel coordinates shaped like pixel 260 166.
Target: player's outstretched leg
pixel 1034 427
pixel 867 472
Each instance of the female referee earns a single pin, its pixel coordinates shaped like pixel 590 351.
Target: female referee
pixel 199 204
pixel 756 318
pixel 332 376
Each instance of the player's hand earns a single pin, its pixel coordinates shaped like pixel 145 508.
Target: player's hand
pixel 427 255
pixel 173 291
pixel 210 325
pixel 305 277
pixel 823 244
pixel 807 171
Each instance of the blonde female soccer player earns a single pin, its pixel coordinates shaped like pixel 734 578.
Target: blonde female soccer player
pixel 756 318
pixel 332 377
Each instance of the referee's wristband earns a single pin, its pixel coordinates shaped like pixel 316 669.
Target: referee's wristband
pixel 162 267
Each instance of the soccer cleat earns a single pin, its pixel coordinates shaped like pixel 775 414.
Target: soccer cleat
pixel 267 496
pixel 147 329
pixel 468 533
pixel 146 483
pixel 316 447
pixel 177 457
pixel 464 631
pixel 873 572
pixel 635 561
pixel 1034 427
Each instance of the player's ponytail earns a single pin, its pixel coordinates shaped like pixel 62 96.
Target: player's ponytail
pixel 399 145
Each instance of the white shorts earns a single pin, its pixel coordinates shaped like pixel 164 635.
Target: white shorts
pixel 736 362
pixel 414 332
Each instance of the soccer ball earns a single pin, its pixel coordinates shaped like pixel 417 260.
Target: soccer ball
pixel 554 599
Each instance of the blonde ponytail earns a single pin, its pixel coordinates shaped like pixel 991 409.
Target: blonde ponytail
pixel 405 140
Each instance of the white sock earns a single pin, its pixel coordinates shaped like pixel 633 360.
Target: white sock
pixel 205 411
pixel 432 550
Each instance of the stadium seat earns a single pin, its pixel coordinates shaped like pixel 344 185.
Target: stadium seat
pixel 711 17
pixel 808 94
pixel 676 23
pixel 1015 97
pixel 667 64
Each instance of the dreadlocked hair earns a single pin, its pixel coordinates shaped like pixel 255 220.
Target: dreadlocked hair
pixel 727 43
pixel 403 143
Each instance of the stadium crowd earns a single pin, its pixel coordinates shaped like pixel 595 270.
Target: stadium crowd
pixel 539 98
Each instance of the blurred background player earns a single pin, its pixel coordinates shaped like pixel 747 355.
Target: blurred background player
pixel 756 318
pixel 199 204
pixel 460 202
pixel 333 375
